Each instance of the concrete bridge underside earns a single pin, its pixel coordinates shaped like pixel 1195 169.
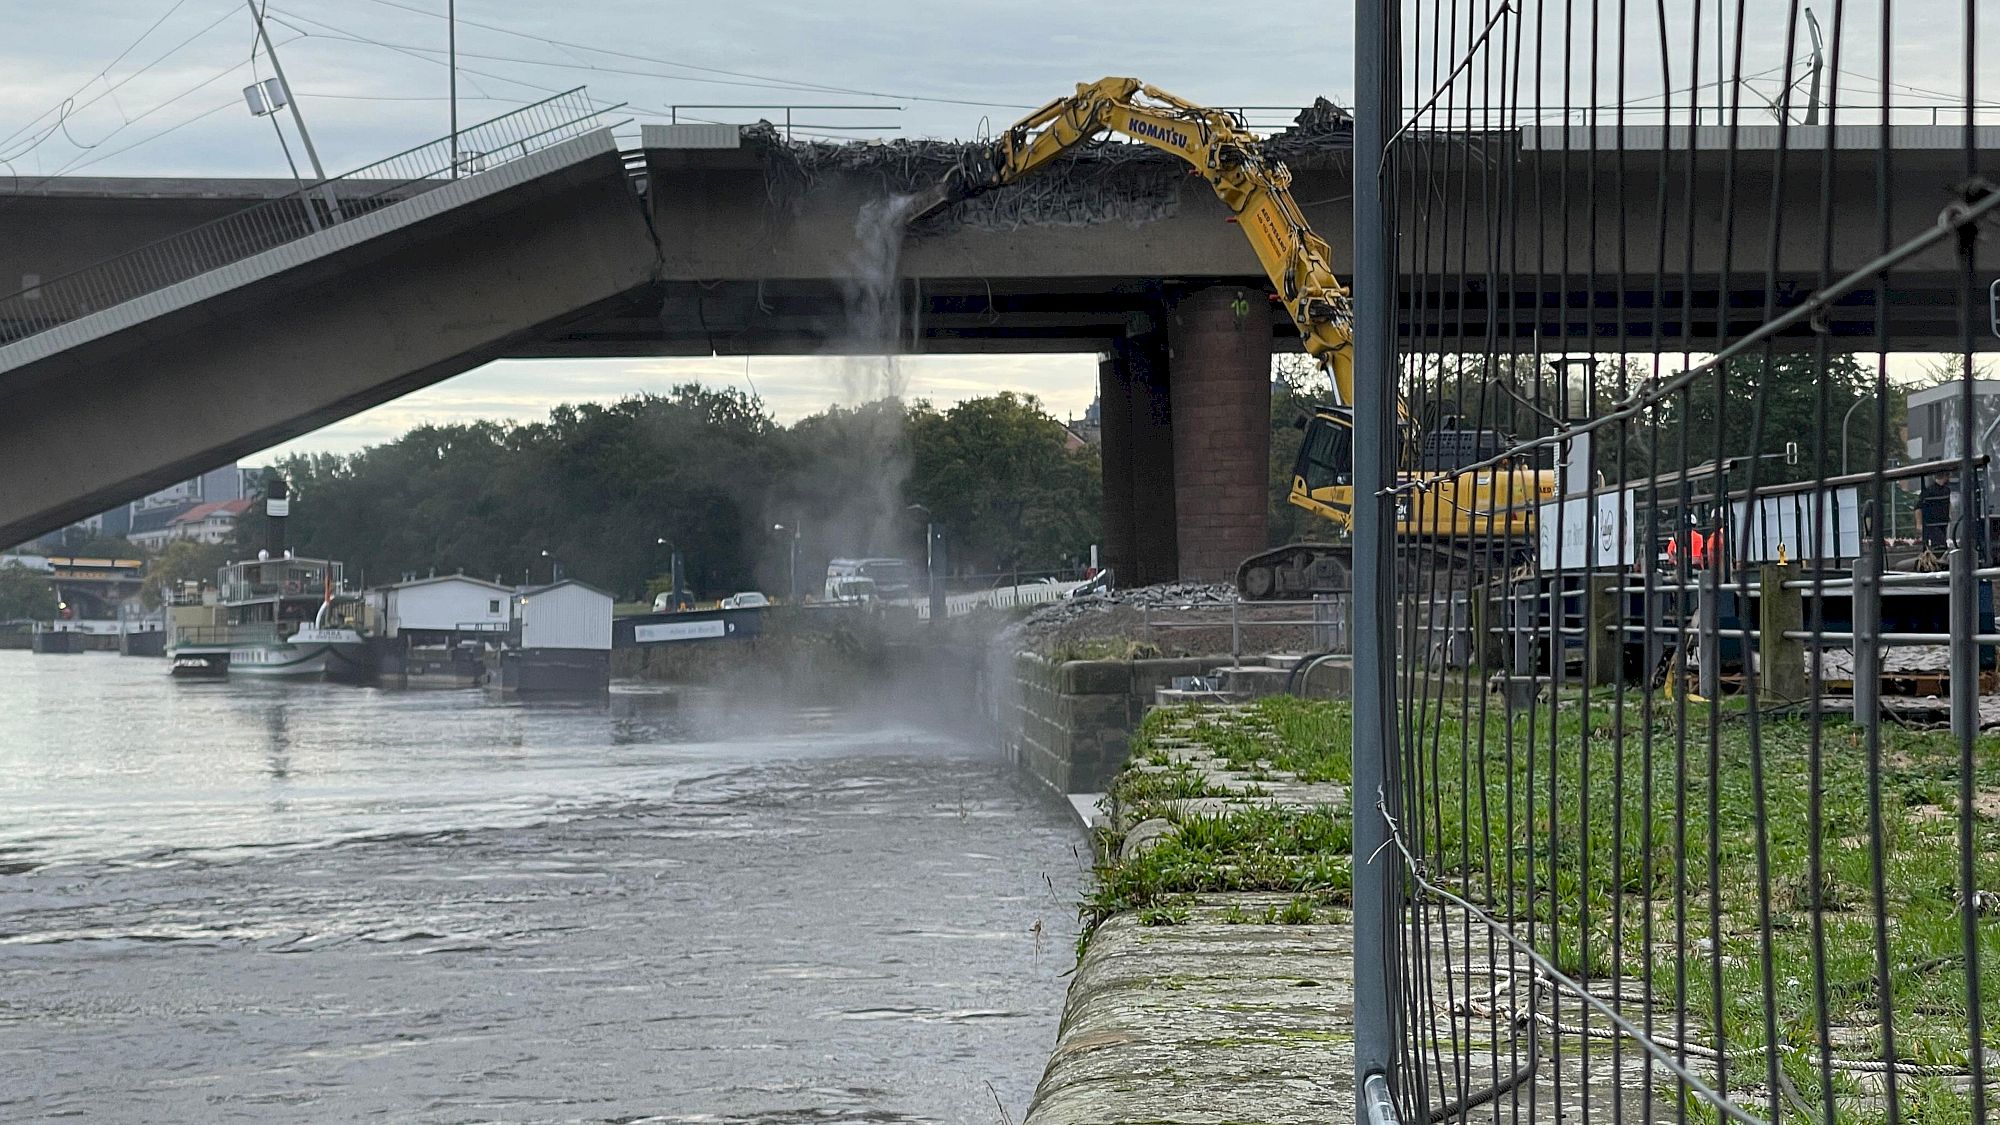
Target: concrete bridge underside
pixel 566 260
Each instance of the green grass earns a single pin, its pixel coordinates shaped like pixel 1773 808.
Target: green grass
pixel 1592 837
pixel 1584 851
pixel 1302 853
pixel 1251 849
pixel 1309 740
pixel 1100 648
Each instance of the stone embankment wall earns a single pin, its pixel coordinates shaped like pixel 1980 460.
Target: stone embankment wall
pixel 1070 723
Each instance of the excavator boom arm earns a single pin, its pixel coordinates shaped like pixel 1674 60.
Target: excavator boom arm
pixel 1257 192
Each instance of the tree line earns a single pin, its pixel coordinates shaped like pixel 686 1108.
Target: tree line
pixel 608 491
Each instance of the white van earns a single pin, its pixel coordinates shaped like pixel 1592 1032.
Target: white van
pixel 851 589
pixel 889 579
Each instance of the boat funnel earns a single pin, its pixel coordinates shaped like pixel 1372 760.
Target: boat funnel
pixel 277 506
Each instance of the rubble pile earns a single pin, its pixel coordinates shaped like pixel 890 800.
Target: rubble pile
pixel 1099 182
pixel 1164 596
pixel 1112 614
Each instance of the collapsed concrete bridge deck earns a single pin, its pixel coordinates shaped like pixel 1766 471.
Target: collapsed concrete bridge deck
pixel 736 246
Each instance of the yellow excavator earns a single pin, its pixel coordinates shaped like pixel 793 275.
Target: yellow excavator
pixel 1475 516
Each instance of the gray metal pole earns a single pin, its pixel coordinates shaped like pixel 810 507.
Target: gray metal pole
pixel 1963 610
pixel 939 611
pixel 294 166
pixel 1377 898
pixel 292 100
pixel 451 45
pixel 1843 431
pixel 1818 64
pixel 1867 630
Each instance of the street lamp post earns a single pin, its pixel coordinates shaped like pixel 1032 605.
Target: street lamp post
pixel 792 597
pixel 676 592
pixel 555 568
pixel 1843 432
pixel 933 541
pixel 265 99
pixel 298 118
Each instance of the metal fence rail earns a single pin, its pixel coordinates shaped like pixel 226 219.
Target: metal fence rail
pixel 312 208
pixel 1318 626
pixel 1692 813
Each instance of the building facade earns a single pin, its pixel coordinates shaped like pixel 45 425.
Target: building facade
pixel 432 610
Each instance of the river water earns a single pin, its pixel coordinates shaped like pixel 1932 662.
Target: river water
pixel 270 902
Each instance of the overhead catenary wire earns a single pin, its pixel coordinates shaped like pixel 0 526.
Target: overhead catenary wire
pixel 750 82
pixel 552 63
pixel 794 84
pixel 78 161
pixel 66 109
pixel 428 55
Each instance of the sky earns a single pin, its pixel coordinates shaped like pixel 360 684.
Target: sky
pixel 153 87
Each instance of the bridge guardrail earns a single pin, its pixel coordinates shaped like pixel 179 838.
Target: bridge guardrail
pixel 312 208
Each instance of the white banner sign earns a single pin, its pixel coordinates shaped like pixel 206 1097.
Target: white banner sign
pixel 680 631
pixel 1597 531
pixel 1784 525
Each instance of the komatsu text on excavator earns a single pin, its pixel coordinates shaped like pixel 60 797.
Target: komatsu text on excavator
pixel 1473 512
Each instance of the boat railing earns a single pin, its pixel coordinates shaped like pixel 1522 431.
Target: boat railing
pixel 225 634
pixel 251 591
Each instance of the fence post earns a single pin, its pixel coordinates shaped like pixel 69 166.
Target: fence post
pixel 1604 638
pixel 1708 640
pixel 1867 615
pixel 1487 652
pixel 1964 615
pixel 1654 645
pixel 1378 907
pixel 1524 614
pixel 1781 660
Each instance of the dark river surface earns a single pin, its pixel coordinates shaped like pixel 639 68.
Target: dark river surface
pixel 270 902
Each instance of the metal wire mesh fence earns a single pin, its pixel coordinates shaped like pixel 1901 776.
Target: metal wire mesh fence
pixel 289 217
pixel 1692 812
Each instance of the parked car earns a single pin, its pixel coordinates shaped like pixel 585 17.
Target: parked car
pixel 749 599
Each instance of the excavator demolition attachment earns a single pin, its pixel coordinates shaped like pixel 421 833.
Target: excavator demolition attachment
pixel 1487 507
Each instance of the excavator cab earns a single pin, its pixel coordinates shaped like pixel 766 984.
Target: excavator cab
pixel 1323 474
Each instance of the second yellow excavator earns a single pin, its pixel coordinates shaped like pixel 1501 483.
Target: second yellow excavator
pixel 1471 517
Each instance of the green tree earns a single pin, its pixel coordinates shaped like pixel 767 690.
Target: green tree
pixel 600 485
pixel 1297 385
pixel 25 595
pixel 182 560
pixel 596 486
pixel 1718 415
pixel 997 473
